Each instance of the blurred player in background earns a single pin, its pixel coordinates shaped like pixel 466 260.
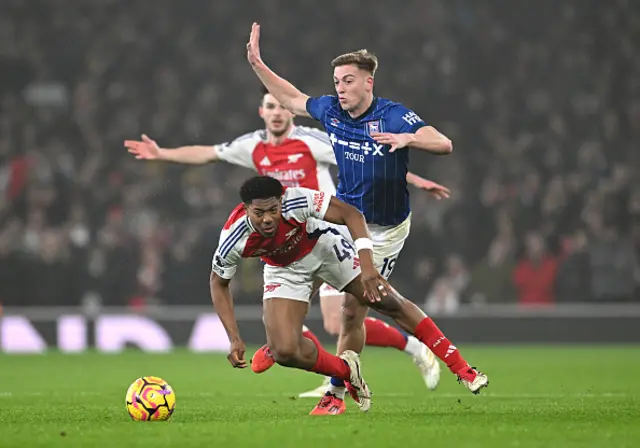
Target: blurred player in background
pixel 299 156
pixel 370 137
pixel 290 230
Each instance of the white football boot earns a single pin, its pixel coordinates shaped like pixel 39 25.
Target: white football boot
pixel 357 387
pixel 429 367
pixel 319 391
pixel 480 381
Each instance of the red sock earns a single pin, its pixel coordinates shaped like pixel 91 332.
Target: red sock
pixel 330 365
pixel 309 334
pixel 430 335
pixel 380 334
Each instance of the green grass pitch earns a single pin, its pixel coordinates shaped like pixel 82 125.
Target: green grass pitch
pixel 538 396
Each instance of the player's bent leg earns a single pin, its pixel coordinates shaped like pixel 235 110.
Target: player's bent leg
pixel 351 341
pixel 352 337
pixel 319 391
pixel 306 331
pixel 381 334
pixel 283 324
pixel 352 330
pixel 331 308
pixel 413 320
pixel 387 245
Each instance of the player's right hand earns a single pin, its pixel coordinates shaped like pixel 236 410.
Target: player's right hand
pixel 236 354
pixel 253 47
pixel 146 149
pixel 375 286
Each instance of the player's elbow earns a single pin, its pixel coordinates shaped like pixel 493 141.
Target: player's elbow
pixel 446 146
pixel 218 283
pixel 433 141
pixel 291 108
pixel 352 214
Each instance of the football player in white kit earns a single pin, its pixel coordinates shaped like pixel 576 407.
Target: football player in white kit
pixel 299 156
pixel 290 230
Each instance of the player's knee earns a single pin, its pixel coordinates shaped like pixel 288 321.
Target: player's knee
pixel 332 325
pixel 349 314
pixel 393 305
pixel 352 317
pixel 285 355
pixel 331 314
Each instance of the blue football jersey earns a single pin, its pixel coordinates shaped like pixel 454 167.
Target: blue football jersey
pixel 370 177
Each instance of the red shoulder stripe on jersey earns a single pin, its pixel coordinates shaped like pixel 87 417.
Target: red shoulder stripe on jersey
pixel 238 213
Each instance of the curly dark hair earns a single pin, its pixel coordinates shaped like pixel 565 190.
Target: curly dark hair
pixel 260 187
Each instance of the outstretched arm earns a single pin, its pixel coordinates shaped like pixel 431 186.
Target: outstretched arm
pixel 148 149
pixel 426 138
pixel 431 140
pixel 283 90
pixel 436 190
pixel 223 304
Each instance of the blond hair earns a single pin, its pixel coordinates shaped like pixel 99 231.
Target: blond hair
pixel 362 59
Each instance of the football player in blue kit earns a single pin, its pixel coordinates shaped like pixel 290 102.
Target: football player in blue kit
pixel 371 137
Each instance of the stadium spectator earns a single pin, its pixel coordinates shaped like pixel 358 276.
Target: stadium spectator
pixel 535 274
pixel 540 99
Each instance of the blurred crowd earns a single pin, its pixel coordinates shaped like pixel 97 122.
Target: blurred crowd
pixel 541 100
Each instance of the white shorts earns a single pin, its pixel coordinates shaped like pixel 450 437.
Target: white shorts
pixel 388 242
pixel 333 260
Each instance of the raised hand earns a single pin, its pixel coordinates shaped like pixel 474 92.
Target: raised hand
pixel 253 47
pixel 146 149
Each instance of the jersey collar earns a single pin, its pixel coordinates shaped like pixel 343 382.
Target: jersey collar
pixel 371 108
pixel 248 221
pixel 287 137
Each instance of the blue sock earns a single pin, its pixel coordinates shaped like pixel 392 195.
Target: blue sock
pixel 336 382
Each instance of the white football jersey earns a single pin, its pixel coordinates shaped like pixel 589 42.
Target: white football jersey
pixel 302 160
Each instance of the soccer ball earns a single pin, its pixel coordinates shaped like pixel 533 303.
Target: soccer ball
pixel 150 398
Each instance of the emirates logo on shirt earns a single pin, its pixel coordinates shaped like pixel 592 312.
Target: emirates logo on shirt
pixel 287 175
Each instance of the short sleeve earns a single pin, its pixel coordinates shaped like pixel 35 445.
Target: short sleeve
pixel 318 106
pixel 227 256
pixel 239 151
pixel 304 203
pixel 319 144
pixel 403 120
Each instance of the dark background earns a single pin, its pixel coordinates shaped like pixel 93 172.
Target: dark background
pixel 541 99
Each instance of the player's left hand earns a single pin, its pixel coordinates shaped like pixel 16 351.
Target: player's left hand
pixel 375 286
pixel 397 141
pixel 436 190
